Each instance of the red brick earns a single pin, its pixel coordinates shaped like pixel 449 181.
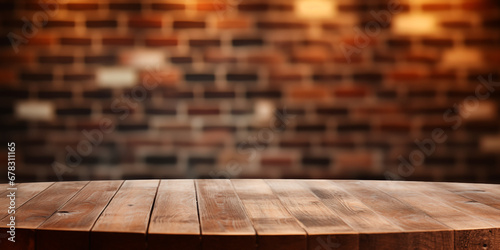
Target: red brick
pixel 145 22
pixel 218 56
pixel 273 25
pixel 355 163
pixel 456 24
pixel 203 110
pixel 350 92
pixel 215 5
pixel 161 41
pixel 395 126
pixel 189 24
pixel 291 75
pixel 118 40
pixel 7 76
pixel 66 59
pixel 276 161
pixel 406 75
pixel 160 78
pixel 234 23
pixel 76 41
pixel 102 23
pixel 42 40
pixel 313 93
pixel 82 6
pixel 167 6
pixel 310 56
pixel 265 57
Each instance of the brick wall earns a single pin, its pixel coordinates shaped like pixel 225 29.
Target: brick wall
pixel 246 88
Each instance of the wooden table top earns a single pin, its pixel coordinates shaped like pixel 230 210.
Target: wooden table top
pixel 252 214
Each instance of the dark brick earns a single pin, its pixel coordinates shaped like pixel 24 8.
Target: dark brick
pixel 98 94
pixel 74 111
pixel 55 94
pixel 199 77
pixel 104 23
pixel 160 160
pixel 204 42
pixel 189 25
pixel 219 94
pixel 233 77
pixel 264 94
pixel 239 42
pixel 56 59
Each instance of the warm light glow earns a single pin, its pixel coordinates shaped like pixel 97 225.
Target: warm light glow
pixel 414 24
pixel 461 57
pixel 315 8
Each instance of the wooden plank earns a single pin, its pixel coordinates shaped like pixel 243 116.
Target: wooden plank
pixel 325 229
pixel 467 205
pixel 174 220
pixel 485 194
pixel 421 231
pixel 224 223
pixel 71 224
pixel 475 209
pixel 276 228
pixel 34 212
pixel 124 222
pixel 354 212
pixel 470 233
pixel 24 192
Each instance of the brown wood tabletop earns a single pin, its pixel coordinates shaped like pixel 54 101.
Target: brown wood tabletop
pixel 252 214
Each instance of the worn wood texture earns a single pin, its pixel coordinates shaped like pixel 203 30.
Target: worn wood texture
pixel 174 221
pixel 71 223
pixel 38 209
pixel 253 214
pixel 276 228
pixel 124 222
pixel 224 223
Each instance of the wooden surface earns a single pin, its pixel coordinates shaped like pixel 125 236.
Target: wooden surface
pixel 253 214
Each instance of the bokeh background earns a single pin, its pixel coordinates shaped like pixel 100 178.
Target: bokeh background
pixel 115 89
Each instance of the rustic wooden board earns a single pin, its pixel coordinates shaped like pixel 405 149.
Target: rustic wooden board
pixel 124 222
pixel 254 214
pixel 470 233
pixel 38 209
pixel 485 194
pixel 224 223
pixel 24 192
pixel 174 221
pixel 276 228
pixel 324 227
pixel 475 209
pixel 71 224
pixel 426 232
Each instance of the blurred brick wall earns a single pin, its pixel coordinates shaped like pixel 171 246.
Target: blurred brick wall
pixel 164 88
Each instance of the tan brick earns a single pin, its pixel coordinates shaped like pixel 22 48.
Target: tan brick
pixel 116 77
pixel 34 110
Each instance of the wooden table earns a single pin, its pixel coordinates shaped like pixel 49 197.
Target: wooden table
pixel 253 214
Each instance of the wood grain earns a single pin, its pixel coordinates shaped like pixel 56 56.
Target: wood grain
pixel 124 222
pixel 24 192
pixel 276 228
pixel 469 232
pixel 254 214
pixel 426 232
pixel 224 223
pixel 71 223
pixel 323 226
pixel 38 209
pixel 174 221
